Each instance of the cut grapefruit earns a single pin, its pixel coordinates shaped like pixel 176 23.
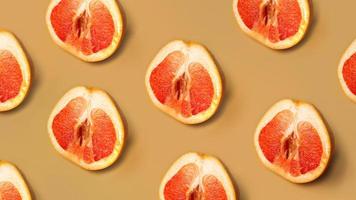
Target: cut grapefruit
pixel 12 185
pixel 197 176
pixel 347 72
pixel 15 73
pixel 184 82
pixel 292 141
pixel 88 29
pixel 278 24
pixel 86 128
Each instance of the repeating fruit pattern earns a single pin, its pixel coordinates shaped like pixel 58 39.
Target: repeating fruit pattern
pixel 183 81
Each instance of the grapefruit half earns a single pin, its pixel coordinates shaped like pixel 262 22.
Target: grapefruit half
pixel 184 82
pixel 12 185
pixel 197 176
pixel 292 141
pixel 86 128
pixel 347 72
pixel 15 73
pixel 89 29
pixel 278 24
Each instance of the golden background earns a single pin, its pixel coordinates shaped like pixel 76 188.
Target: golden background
pixel 255 78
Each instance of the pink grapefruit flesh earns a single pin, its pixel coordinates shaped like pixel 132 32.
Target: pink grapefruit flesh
pixel 190 178
pixel 90 31
pixel 349 73
pixel 10 76
pixel 297 153
pixel 189 93
pixel 293 141
pixel 9 192
pixel 91 140
pixel 278 24
pixel 15 73
pixel 86 127
pixel 184 82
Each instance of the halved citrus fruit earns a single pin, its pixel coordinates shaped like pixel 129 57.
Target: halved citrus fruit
pixel 197 176
pixel 12 185
pixel 347 72
pixel 184 82
pixel 278 24
pixel 292 141
pixel 86 128
pixel 15 73
pixel 88 29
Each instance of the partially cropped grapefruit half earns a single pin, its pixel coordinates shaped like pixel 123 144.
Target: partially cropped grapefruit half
pixel 292 141
pixel 86 128
pixel 15 73
pixel 347 72
pixel 12 184
pixel 184 82
pixel 278 24
pixel 88 29
pixel 196 176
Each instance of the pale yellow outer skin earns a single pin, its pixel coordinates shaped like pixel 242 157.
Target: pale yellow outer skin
pixel 201 55
pixel 284 44
pixel 9 173
pixel 98 99
pixel 302 111
pixel 348 53
pixel 208 165
pixel 9 42
pixel 102 54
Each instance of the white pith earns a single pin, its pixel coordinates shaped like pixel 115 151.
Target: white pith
pixel 9 42
pixel 283 44
pixel 348 53
pixel 302 112
pixel 207 165
pixel 97 99
pixel 194 53
pixel 115 12
pixel 9 173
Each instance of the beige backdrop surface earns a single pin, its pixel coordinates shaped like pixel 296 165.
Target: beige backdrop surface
pixel 255 78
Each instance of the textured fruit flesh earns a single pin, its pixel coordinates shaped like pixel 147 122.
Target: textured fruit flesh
pixel 187 88
pixel 182 185
pixel 349 73
pixel 298 150
pixel 86 25
pixel 9 192
pixel 87 133
pixel 10 76
pixel 276 20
